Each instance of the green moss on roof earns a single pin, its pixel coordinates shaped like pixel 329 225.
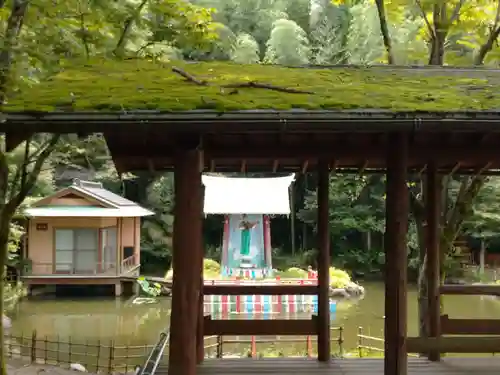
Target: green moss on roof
pixel 105 85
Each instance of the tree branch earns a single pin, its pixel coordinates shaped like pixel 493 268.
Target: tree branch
pixel 492 38
pixel 252 84
pixel 431 30
pixel 21 170
pixel 462 208
pixel 127 28
pixel 32 177
pixel 384 29
pixel 456 11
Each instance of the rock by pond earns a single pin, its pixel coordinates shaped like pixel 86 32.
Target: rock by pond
pixel 350 290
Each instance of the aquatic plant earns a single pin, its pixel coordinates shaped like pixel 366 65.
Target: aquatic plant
pixel 151 289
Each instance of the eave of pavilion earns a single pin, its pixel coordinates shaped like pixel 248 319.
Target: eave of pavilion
pixel 280 141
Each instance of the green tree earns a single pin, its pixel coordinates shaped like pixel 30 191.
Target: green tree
pixel 287 45
pixel 245 50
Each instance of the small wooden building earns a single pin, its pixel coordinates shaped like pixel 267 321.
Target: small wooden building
pixel 83 234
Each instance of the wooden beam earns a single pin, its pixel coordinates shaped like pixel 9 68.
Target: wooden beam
pixel 397 211
pixel 261 327
pixel 445 154
pixel 424 168
pixel 363 167
pixel 263 290
pixel 471 290
pixel 484 168
pixel 323 262
pixel 484 137
pixel 212 165
pixel 305 164
pixel 433 214
pixel 243 167
pixel 186 280
pixel 334 165
pixel 456 344
pixel 455 168
pixel 418 154
pixel 469 326
pixel 276 163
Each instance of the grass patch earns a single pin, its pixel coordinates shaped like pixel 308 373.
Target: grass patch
pixel 117 85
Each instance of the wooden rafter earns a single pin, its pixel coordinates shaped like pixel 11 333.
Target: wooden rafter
pixel 275 165
pixel 303 168
pixel 363 167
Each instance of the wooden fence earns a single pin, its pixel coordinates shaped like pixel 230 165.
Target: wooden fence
pixel 368 345
pixel 98 356
pixel 263 346
pixel 105 357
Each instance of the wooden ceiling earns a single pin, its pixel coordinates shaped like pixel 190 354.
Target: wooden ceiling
pixel 466 152
pixel 274 141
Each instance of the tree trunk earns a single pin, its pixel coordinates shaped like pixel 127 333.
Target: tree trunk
pixel 5 218
pixel 482 253
pixel 12 31
pixel 439 34
pixel 492 38
pixel 437 49
pixel 422 284
pixel 384 29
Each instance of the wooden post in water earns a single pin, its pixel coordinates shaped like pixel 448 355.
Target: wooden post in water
pixel 433 215
pixel 186 277
pixel 323 263
pixel 396 357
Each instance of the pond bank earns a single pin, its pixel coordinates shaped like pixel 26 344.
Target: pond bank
pixel 20 367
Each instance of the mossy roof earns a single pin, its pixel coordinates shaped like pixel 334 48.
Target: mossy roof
pixel 111 85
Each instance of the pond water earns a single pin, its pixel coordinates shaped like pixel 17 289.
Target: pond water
pixel 127 324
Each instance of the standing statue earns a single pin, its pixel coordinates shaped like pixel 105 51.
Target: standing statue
pixel 245 227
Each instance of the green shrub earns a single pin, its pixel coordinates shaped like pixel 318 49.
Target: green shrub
pixel 211 270
pixel 338 278
pixel 293 273
pixel 211 265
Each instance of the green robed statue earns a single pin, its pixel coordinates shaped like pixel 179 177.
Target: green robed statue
pixel 245 227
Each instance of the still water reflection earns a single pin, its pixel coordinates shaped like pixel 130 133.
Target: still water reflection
pixel 125 323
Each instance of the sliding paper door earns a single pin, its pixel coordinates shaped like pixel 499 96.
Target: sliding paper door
pixel 64 245
pixel 86 245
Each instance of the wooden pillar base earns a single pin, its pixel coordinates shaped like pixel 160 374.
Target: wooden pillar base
pixel 397 209
pixel 324 351
pixel 118 289
pixel 433 213
pixel 187 244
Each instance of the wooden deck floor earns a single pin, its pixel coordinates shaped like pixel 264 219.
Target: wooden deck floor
pixel 303 366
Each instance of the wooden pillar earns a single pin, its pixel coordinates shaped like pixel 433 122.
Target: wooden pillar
pixel 395 359
pixel 323 264
pixel 200 342
pixel 433 215
pixel 200 334
pixel 187 240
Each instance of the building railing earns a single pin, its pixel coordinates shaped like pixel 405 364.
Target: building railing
pixel 72 269
pixel 129 263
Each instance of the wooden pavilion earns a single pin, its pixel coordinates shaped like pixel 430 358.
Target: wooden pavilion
pixel 396 121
